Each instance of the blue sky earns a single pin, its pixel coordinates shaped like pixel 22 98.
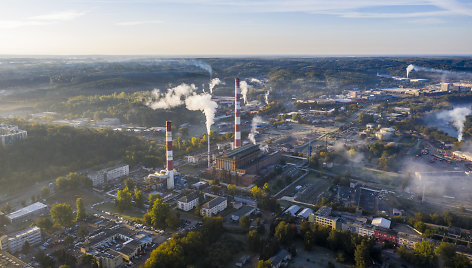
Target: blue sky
pixel 243 27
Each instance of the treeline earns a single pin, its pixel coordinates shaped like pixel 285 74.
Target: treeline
pixel 50 151
pixel 209 246
pixel 426 255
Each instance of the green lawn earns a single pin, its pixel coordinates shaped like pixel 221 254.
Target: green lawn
pixel 127 214
pixel 89 197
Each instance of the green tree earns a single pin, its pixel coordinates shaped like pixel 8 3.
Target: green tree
pixel 446 253
pixel 254 241
pixel 44 191
pixel 264 264
pixel 138 198
pixel 244 222
pixel 361 255
pixel 44 260
pixel 44 223
pixel 26 247
pixel 257 192
pixel 152 198
pixel 62 215
pixel 364 118
pixel 172 220
pixel 80 209
pixel 123 199
pixel 159 213
pixel 285 232
pixel 425 251
pixel 82 231
pixel 129 183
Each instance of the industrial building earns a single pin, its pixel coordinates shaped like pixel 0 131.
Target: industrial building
pixel 238 159
pixel 14 242
pixel 28 212
pixel 10 134
pixel 243 211
pixel 322 217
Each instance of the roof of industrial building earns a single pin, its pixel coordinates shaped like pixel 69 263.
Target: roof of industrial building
pixel 324 211
pixel 26 210
pixel 292 209
pixel 381 222
pixel 243 211
pixel 305 213
pixel 241 150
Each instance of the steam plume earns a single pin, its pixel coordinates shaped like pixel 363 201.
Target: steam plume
pixel 458 117
pixel 203 102
pixel 266 97
pixel 256 81
pixel 412 67
pixel 244 89
pixel 198 63
pixel 213 83
pixel 172 98
pixel 255 121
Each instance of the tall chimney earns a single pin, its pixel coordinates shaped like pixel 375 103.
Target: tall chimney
pixel 237 114
pixel 169 156
pixel 209 156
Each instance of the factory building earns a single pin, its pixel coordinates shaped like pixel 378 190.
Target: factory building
pixel 10 134
pixel 14 242
pixel 28 212
pixel 239 159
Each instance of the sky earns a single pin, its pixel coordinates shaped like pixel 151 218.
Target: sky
pixel 238 27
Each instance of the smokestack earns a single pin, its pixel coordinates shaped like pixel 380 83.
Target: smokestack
pixel 169 156
pixel 237 111
pixel 209 157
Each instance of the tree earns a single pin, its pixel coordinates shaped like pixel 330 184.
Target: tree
pixel 44 191
pixel 361 255
pixel 244 222
pixel 44 260
pixel 264 264
pixel 82 231
pixel 68 240
pixel 256 192
pixel 64 266
pixel 159 213
pixel 425 251
pixel 446 253
pixel 172 220
pixel 254 241
pixel 26 247
pixel 80 209
pixel 152 198
pixel 62 215
pixel 231 189
pixel 64 257
pixel 88 260
pixel 285 232
pixel 129 183
pixel 138 198
pixel 44 223
pixel 123 199
pixel 364 118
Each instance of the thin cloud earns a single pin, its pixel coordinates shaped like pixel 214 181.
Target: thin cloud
pixel 427 21
pixel 40 20
pixel 139 22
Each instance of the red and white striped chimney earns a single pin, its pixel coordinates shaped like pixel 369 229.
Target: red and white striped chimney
pixel 237 114
pixel 169 155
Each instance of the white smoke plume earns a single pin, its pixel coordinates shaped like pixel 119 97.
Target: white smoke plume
pixel 458 117
pixel 198 63
pixel 172 98
pixel 256 81
pixel 412 67
pixel 266 97
pixel 244 89
pixel 256 120
pixel 213 83
pixel 203 102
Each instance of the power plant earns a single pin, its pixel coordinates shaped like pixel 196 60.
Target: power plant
pixel 169 156
pixel 237 114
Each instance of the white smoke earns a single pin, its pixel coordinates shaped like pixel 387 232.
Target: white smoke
pixel 203 102
pixel 172 98
pixel 458 117
pixel 244 89
pixel 256 81
pixel 198 63
pixel 412 67
pixel 266 97
pixel 256 120
pixel 213 83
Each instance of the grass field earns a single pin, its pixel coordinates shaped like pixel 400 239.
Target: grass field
pixel 318 257
pixel 89 197
pixel 127 214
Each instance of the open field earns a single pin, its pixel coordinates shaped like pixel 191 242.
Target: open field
pixel 129 214
pixel 89 197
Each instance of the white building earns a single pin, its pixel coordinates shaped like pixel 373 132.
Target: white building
pixel 20 215
pixel 188 202
pixel 10 134
pixel 106 175
pixel 385 134
pixel 465 155
pixel 293 209
pixel 14 242
pixel 305 213
pixel 214 206
pixel 381 222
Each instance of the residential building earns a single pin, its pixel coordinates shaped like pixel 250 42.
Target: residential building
pixel 365 230
pixel 14 242
pixel 10 134
pixel 27 212
pixel 214 206
pixel 9 261
pixel 104 176
pixel 109 258
pixel 188 202
pixel 408 240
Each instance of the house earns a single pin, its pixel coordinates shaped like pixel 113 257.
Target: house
pixel 188 202
pixel 214 206
pixel 243 211
pixel 280 259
